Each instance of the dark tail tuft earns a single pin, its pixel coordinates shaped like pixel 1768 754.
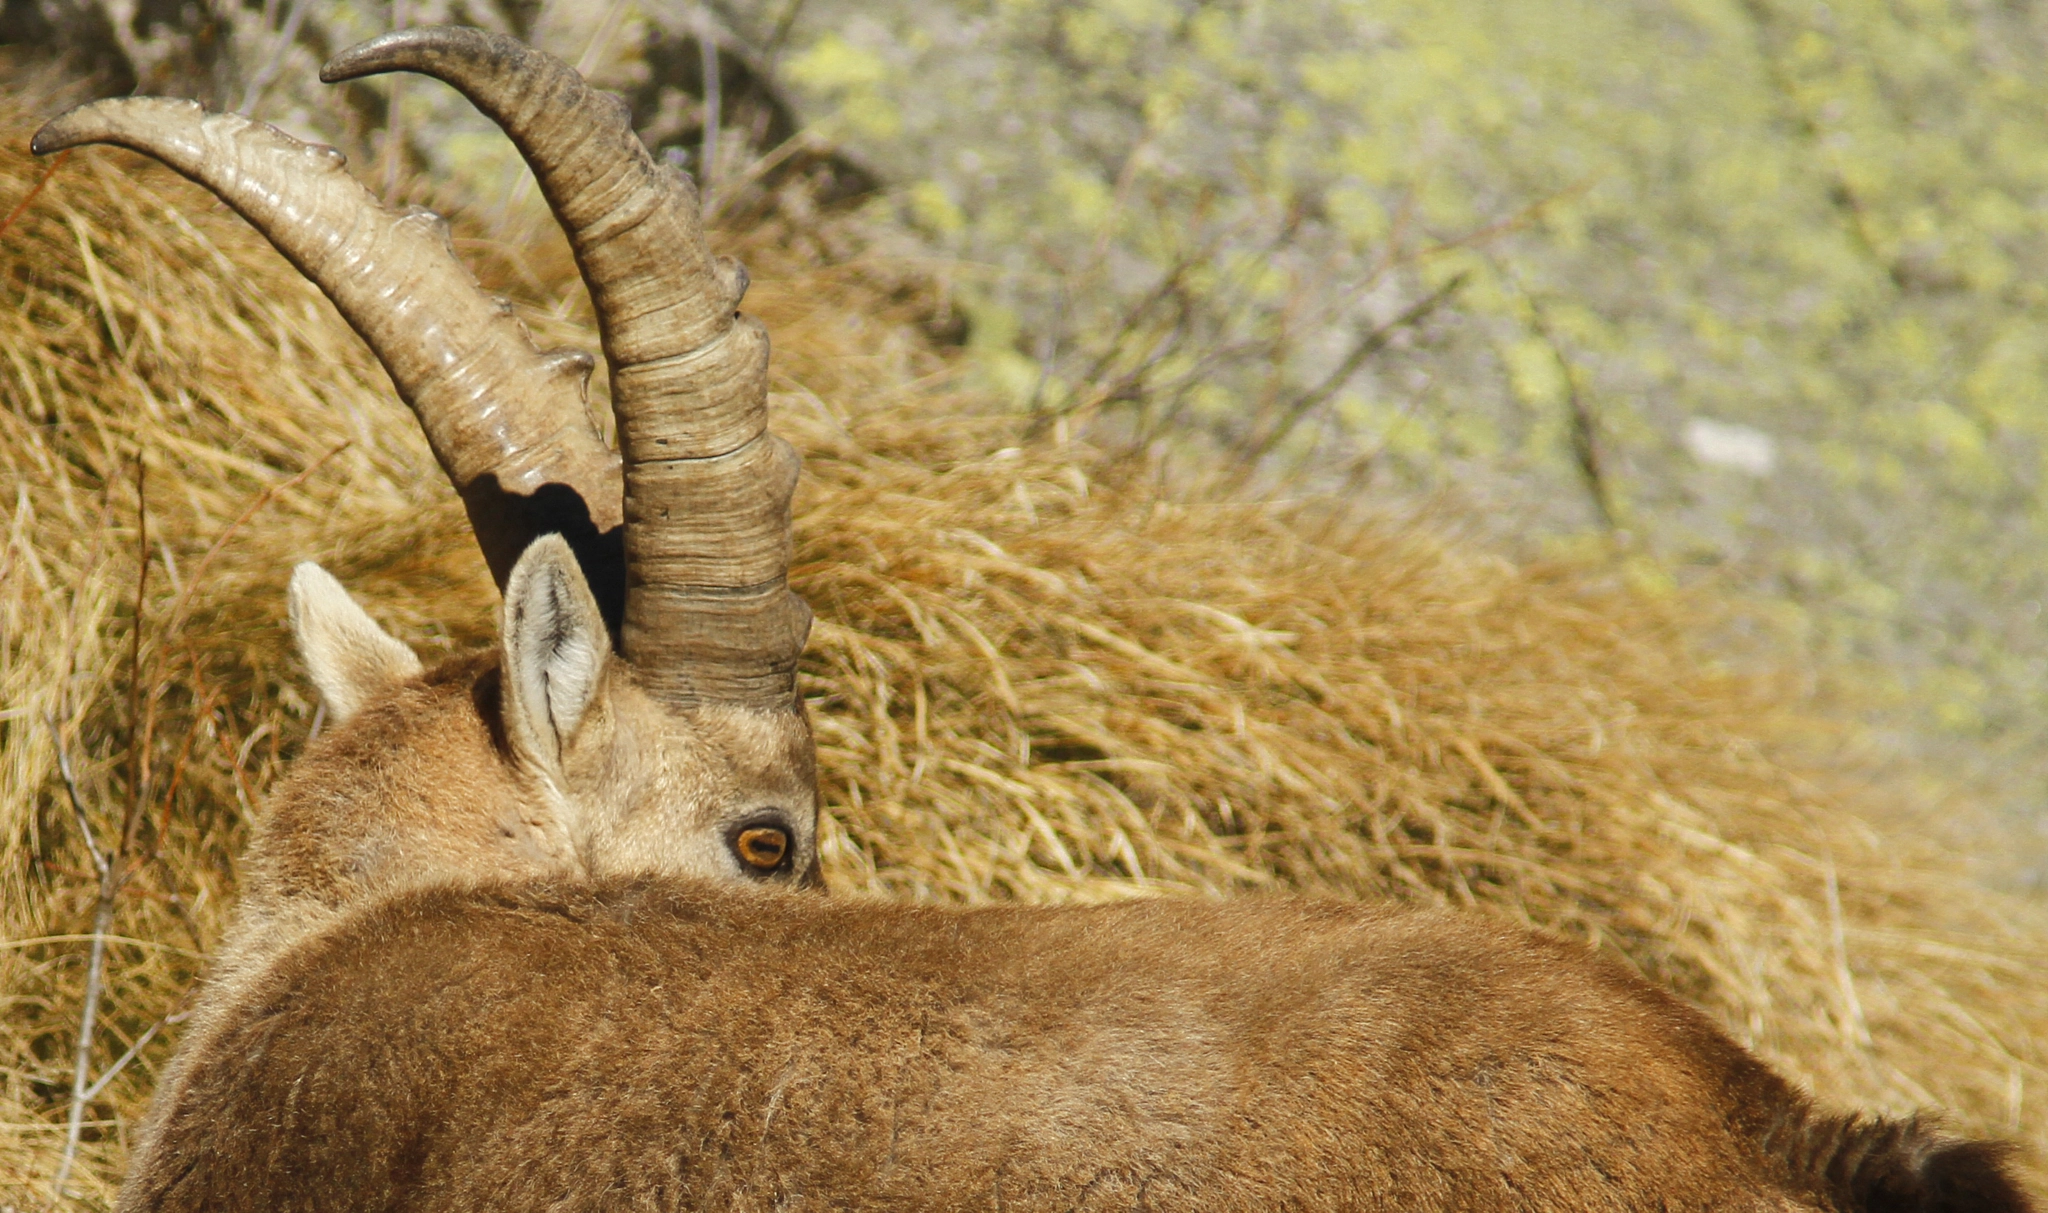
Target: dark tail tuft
pixel 1865 1165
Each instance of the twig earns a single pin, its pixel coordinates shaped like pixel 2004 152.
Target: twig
pixel 92 847
pixel 88 1018
pixel 208 698
pixel 1166 289
pixel 707 59
pixel 1368 345
pixel 130 1055
pixel 808 139
pixel 1514 221
pixel 112 867
pixel 1048 350
pixel 1842 192
pixel 102 925
pixel 394 123
pixel 601 40
pixel 1585 427
pixel 784 25
pixel 260 82
pixel 204 713
pixel 183 604
pixel 49 171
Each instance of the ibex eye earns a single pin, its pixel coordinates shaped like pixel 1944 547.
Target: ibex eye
pixel 762 848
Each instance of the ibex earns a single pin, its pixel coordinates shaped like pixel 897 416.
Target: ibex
pixel 687 751
pixel 582 1040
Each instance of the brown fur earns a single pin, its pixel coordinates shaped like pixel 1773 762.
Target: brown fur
pixel 422 789
pixel 671 1044
pixel 540 757
pixel 427 783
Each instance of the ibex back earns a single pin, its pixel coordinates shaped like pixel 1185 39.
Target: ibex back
pixel 666 1045
pixel 652 1036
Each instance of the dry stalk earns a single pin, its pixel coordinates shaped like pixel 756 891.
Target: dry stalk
pixel 112 868
pixel 1371 342
pixel 286 38
pixel 707 58
pixel 49 171
pixel 181 611
pixel 102 923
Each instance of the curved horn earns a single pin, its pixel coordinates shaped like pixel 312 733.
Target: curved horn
pixel 709 616
pixel 505 420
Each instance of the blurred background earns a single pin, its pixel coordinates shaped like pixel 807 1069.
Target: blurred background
pixel 1742 293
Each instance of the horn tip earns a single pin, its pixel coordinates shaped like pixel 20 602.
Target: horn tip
pixel 97 121
pixel 51 138
pixel 404 50
pixel 362 59
pixel 384 53
pixel 570 364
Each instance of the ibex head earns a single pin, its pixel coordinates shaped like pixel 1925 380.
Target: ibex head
pixel 642 712
pixel 548 749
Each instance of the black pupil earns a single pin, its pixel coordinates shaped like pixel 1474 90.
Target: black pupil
pixel 763 847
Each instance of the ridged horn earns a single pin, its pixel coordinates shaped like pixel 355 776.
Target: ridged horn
pixel 508 423
pixel 709 615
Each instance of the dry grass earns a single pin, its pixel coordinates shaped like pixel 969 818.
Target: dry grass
pixel 1032 681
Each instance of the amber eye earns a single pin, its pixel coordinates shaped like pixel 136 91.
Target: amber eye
pixel 761 847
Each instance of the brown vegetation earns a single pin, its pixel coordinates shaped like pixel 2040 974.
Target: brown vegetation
pixel 1032 678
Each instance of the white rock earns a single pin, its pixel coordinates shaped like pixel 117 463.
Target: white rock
pixel 1731 446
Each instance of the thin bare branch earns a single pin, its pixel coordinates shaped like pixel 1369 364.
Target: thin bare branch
pixel 1371 343
pixel 112 867
pixel 784 24
pixel 48 172
pixel 92 846
pixel 183 604
pixel 138 745
pixel 134 1050
pixel 260 82
pixel 707 57
pixel 88 1020
pixel 1587 453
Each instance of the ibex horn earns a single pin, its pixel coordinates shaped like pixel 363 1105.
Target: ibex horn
pixel 709 615
pixel 508 423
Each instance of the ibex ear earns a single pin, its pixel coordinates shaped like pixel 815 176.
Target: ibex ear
pixel 555 649
pixel 350 658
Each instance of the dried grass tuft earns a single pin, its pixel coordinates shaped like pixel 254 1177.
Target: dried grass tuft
pixel 1033 679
